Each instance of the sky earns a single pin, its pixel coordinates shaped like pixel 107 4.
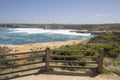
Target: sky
pixel 60 11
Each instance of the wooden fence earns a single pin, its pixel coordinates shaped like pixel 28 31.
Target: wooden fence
pixel 48 58
pixel 99 58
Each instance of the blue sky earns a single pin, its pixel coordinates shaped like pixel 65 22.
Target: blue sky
pixel 60 11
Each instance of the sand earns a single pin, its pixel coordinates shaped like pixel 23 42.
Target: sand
pixel 43 46
pixel 69 76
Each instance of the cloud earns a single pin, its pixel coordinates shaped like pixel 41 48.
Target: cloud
pixel 98 15
pixel 102 15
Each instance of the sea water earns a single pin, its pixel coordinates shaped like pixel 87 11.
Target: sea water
pixel 15 36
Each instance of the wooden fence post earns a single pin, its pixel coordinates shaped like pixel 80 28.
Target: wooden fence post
pixel 100 62
pixel 47 57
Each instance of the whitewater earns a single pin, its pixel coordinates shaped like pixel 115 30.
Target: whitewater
pixel 15 36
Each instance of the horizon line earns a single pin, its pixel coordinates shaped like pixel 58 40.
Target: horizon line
pixel 65 23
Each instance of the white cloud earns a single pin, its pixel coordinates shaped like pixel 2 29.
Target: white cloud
pixel 98 15
pixel 102 15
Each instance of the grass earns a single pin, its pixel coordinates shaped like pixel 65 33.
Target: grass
pixel 112 65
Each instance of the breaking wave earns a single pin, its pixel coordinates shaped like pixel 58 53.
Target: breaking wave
pixel 15 36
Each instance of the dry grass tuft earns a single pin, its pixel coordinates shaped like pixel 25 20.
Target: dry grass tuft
pixel 112 65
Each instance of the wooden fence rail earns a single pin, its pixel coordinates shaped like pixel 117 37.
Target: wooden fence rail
pixel 99 62
pixel 48 58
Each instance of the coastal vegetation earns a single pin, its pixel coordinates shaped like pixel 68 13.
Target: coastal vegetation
pixel 3 51
pixel 111 45
pixel 3 59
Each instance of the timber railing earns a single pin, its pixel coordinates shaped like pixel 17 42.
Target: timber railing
pixel 99 59
pixel 47 59
pixel 15 63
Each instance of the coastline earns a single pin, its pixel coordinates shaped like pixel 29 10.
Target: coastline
pixel 43 46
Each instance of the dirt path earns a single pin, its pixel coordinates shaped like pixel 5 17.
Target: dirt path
pixel 69 76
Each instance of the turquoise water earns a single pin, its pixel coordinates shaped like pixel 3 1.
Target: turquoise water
pixel 15 36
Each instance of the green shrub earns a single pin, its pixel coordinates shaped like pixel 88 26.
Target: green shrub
pixel 114 52
pixel 109 42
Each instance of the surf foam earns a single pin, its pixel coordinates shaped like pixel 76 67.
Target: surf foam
pixel 49 31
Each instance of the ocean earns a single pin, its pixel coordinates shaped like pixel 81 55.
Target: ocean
pixel 16 36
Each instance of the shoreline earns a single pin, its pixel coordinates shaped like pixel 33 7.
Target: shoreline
pixel 43 46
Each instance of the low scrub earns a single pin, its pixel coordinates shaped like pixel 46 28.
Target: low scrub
pixel 3 51
pixel 111 45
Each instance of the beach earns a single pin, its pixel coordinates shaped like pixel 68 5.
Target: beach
pixel 43 46
pixel 40 46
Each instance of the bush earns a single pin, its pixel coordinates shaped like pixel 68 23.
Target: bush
pixel 4 50
pixel 111 45
pixel 114 52
pixel 74 47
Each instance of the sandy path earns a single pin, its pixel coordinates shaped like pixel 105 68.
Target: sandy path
pixel 69 77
